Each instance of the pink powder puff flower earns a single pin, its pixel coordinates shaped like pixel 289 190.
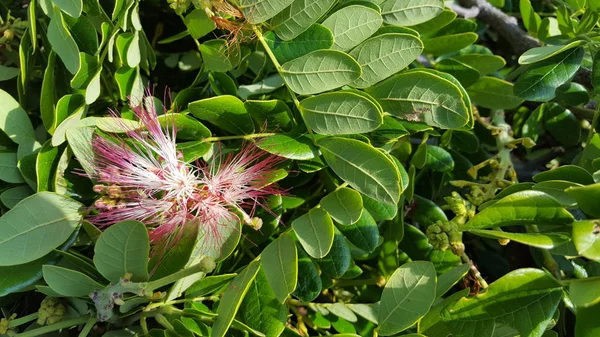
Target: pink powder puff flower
pixel 144 178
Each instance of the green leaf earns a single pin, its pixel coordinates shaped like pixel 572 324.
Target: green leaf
pixel 343 24
pixel 309 282
pixel 226 112
pixel 586 237
pixel 218 56
pixel 384 55
pixel 300 15
pixel 484 64
pixel 172 258
pixel 572 94
pixel 448 279
pixel 69 282
pixel 586 324
pixel 539 82
pixel 84 34
pixel 493 93
pixel 232 299
pixel 339 258
pixel 314 38
pixel 407 296
pixel 433 157
pixel 528 306
pixel 62 42
pixel 280 263
pixel 221 244
pixel 315 232
pixel 123 248
pixel 9 171
pixel 531 19
pixel 448 43
pixel 261 310
pixel 585 292
pixel 319 71
pixel 257 11
pixel 339 113
pixel 411 12
pixel 538 240
pixel 570 173
pixel 366 169
pixel 587 197
pixel 422 96
pixel 12 196
pixel 440 21
pixel 129 49
pixel 88 68
pixel 14 121
pixel 291 146
pixel 364 233
pixel 556 189
pixel 69 111
pixel 208 285
pixel 35 226
pixel 464 73
pixel 345 205
pixel 521 208
pixel 198 23
pixel 432 324
pixel 7 73
pixel 274 113
pixel 71 7
pixel 538 54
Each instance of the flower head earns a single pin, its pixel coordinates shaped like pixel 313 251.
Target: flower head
pixel 145 178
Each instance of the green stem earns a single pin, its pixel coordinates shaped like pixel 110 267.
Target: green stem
pixel 547 260
pixel 584 113
pixel 280 71
pixel 204 266
pixel 246 137
pixel 22 320
pixel 88 327
pixel 54 327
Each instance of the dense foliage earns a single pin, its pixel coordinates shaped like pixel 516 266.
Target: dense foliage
pixel 300 168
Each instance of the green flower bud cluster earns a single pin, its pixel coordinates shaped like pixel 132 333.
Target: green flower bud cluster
pixel 4 322
pixel 51 311
pixel 445 234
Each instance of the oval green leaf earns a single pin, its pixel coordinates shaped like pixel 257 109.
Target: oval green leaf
pixel 346 32
pixel 232 299
pixel 410 12
pixel 539 82
pixel 345 205
pixel 422 96
pixel 586 237
pixel 407 297
pixel 493 93
pixel 314 38
pixel 364 233
pixel 315 232
pixel 365 168
pixel 226 112
pixel 291 146
pixel 123 248
pixel 319 71
pixel 587 198
pixel 280 263
pixel 339 113
pixel 35 226
pixel 300 15
pixel 384 55
pixel 521 208
pixel 339 258
pixel 538 240
pixel 69 282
